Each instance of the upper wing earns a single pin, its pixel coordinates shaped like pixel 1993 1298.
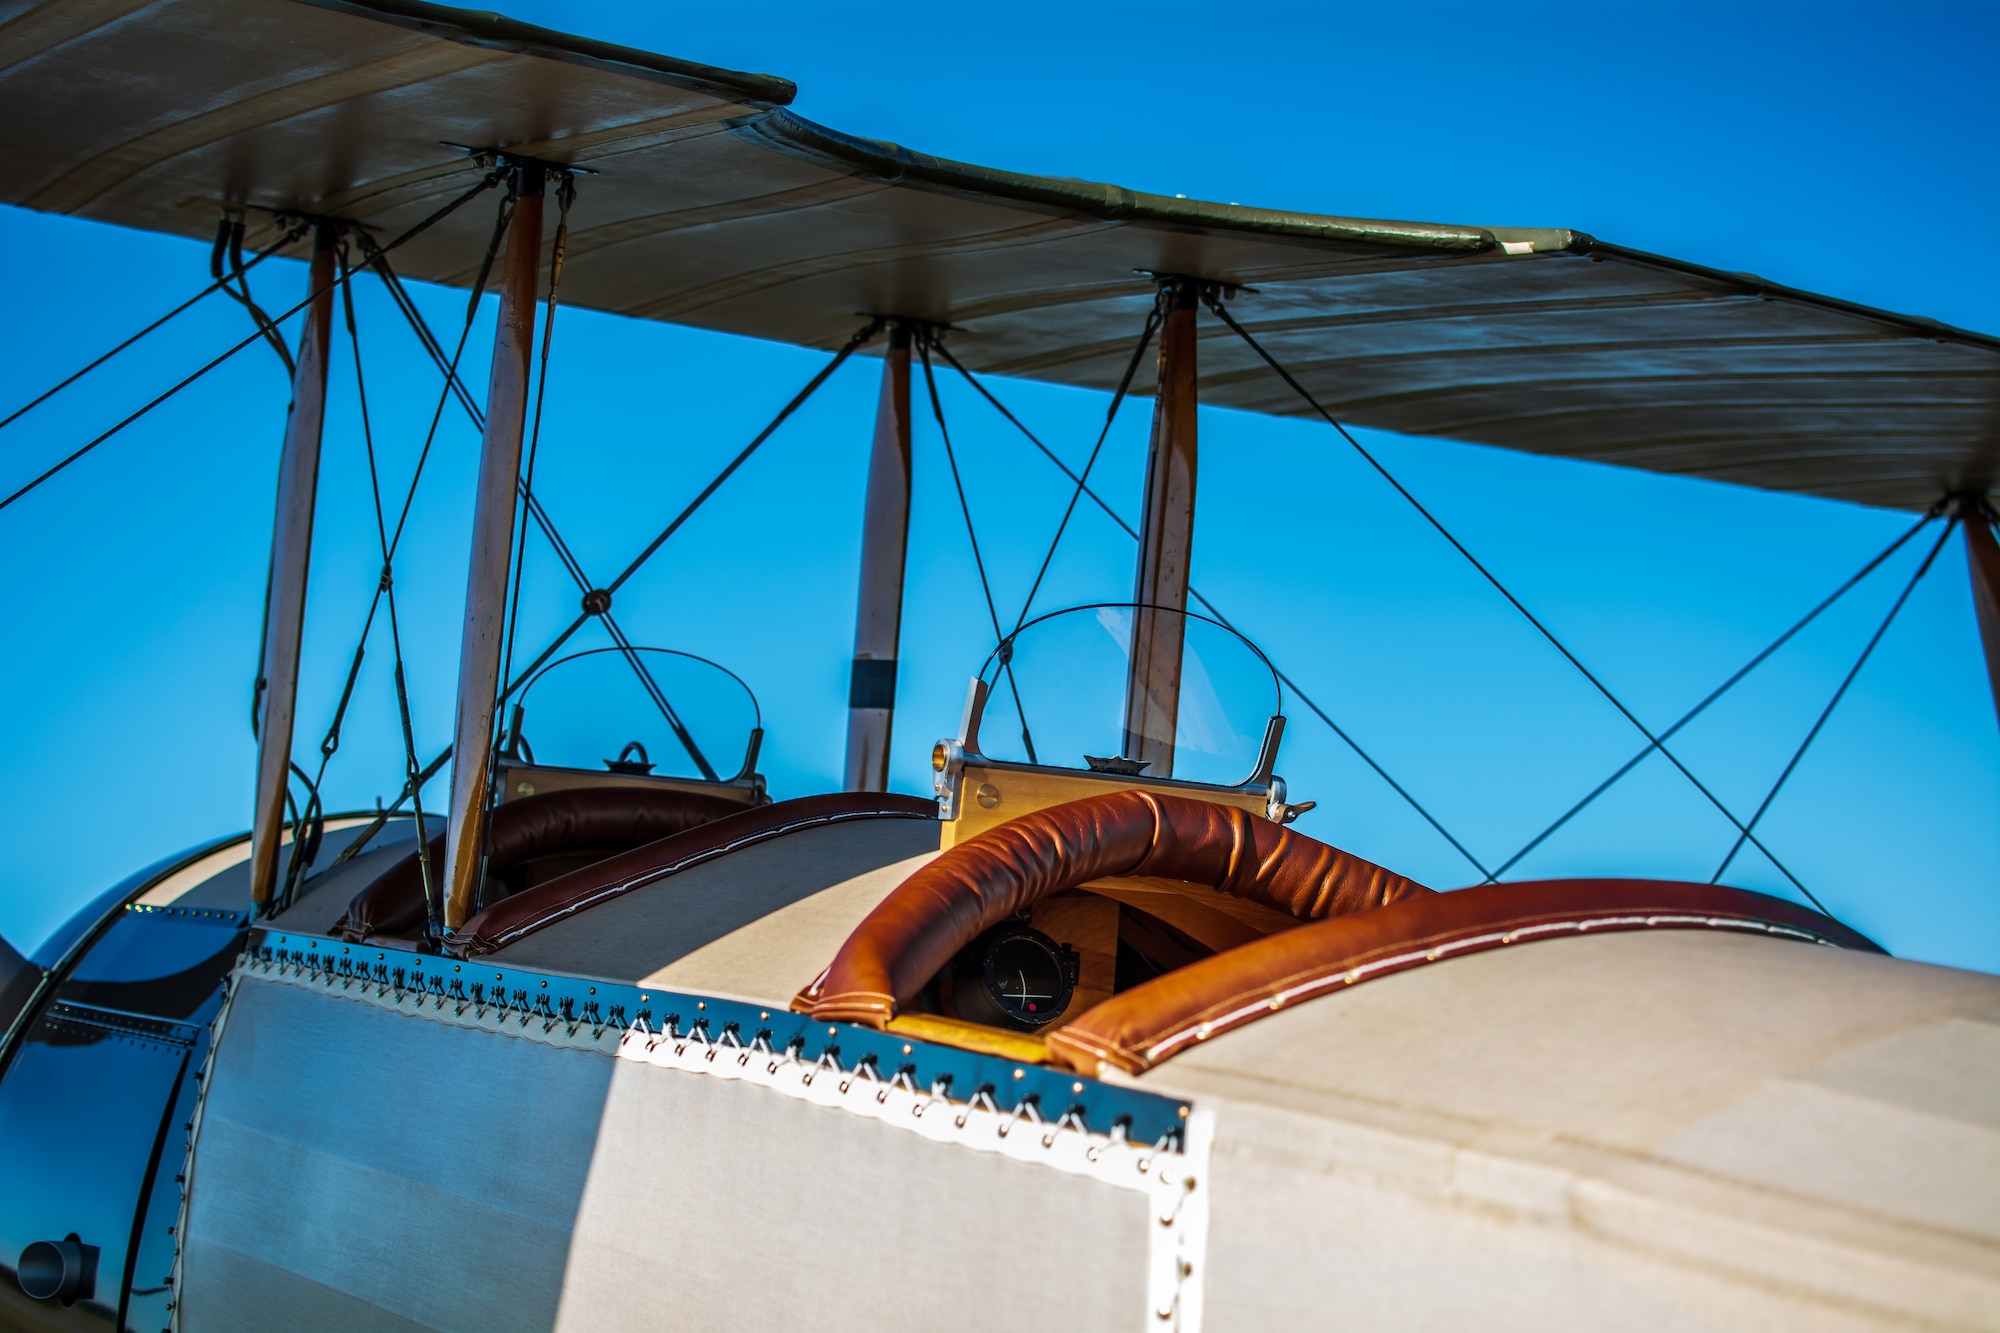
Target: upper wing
pixel 713 206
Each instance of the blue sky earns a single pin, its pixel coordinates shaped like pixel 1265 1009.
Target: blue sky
pixel 1844 149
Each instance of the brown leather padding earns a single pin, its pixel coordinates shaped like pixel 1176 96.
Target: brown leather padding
pixel 602 819
pixel 545 904
pixel 1139 1028
pixel 933 914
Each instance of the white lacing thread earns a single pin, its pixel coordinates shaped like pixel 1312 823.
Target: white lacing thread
pixel 827 1060
pixel 982 1095
pixel 1207 1028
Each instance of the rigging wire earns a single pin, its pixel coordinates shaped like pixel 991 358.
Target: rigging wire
pixel 229 244
pixel 391 542
pixel 502 216
pixel 455 382
pixel 1950 525
pixel 472 309
pixel 1714 694
pixel 1222 313
pixel 1006 647
pixel 385 584
pixel 230 237
pixel 184 306
pixel 1193 592
pixel 1154 317
pixel 417 229
pixel 565 197
pixel 386 589
pixel 308 826
pixel 392 282
pixel 847 349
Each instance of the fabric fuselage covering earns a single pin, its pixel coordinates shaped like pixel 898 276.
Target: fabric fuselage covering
pixel 447 1175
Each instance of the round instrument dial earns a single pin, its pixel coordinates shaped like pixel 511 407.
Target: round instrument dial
pixel 1021 979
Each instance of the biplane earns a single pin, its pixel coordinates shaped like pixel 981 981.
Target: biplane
pixel 1089 1035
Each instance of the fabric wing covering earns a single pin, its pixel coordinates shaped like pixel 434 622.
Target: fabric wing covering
pixel 713 206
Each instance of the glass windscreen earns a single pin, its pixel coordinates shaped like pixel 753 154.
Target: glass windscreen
pixel 1061 691
pixel 684 717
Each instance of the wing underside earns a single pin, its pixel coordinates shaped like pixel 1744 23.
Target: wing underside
pixel 714 206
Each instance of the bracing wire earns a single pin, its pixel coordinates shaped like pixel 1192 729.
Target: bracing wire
pixel 503 215
pixel 978 561
pixel 536 510
pixel 472 308
pixel 847 349
pixel 1153 320
pixel 566 196
pixel 486 183
pixel 729 469
pixel 1222 312
pixel 385 590
pixel 183 307
pixel 1833 703
pixel 1713 695
pixel 1084 489
pixel 392 541
pixel 229 245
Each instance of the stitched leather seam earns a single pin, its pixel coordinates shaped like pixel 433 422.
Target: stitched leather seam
pixel 576 905
pixel 864 996
pixel 1254 1001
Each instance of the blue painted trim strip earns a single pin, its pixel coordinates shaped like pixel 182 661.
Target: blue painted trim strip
pixel 550 998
